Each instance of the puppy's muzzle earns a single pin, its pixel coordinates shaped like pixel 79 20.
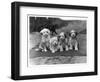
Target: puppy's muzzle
pixel 73 35
pixel 46 35
pixel 55 44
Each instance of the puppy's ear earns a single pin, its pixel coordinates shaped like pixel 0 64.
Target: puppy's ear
pixel 76 33
pixel 58 37
pixel 69 34
pixel 65 35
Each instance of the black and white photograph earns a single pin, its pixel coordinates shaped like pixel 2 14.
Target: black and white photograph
pixel 53 40
pixel 57 40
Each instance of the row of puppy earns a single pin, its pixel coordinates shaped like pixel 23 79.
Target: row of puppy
pixel 58 42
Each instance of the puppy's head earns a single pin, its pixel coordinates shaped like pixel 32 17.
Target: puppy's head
pixel 45 32
pixel 54 41
pixel 73 33
pixel 62 35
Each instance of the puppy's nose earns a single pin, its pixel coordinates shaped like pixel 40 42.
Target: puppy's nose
pixel 73 34
pixel 46 35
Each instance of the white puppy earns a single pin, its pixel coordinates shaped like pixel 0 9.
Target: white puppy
pixel 63 41
pixel 44 44
pixel 73 43
pixel 54 44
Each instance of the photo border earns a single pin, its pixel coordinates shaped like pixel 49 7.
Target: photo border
pixel 15 40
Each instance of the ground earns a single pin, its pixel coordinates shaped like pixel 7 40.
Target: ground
pixel 65 57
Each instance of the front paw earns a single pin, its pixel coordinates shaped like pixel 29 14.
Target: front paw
pixel 70 48
pixel 37 49
pixel 44 50
pixel 53 51
pixel 66 48
pixel 76 49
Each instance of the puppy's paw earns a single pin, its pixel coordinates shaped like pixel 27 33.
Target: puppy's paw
pixel 76 49
pixel 66 48
pixel 53 51
pixel 37 49
pixel 70 48
pixel 45 50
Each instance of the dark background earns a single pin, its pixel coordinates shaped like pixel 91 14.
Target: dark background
pixel 38 23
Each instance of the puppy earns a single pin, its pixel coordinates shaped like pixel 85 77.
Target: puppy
pixel 63 41
pixel 54 44
pixel 73 43
pixel 45 37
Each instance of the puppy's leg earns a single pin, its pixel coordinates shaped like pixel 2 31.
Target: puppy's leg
pixel 70 47
pixel 39 47
pixel 45 49
pixel 61 48
pixel 76 46
pixel 70 44
pixel 66 47
pixel 46 46
pixel 53 51
pixel 51 48
pixel 42 47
